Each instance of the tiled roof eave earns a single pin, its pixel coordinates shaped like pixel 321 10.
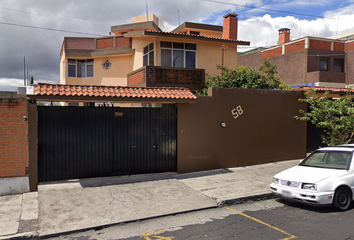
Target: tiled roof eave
pixel 191 36
pixel 115 93
pixel 323 89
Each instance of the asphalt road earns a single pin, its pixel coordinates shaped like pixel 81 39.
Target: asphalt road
pixel 270 219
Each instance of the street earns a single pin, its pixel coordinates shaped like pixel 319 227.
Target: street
pixel 269 219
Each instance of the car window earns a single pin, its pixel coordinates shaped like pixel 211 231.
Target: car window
pixel 328 159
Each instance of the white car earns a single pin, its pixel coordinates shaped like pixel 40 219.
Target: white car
pixel 325 177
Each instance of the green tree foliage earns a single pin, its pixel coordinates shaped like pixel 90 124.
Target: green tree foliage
pixel 335 117
pixel 32 80
pixel 245 77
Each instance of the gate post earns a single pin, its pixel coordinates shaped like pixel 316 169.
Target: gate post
pixel 32 145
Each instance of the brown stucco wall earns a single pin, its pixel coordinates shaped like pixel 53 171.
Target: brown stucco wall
pixel 252 60
pixel 264 131
pixel 349 68
pixel 291 67
pixel 302 66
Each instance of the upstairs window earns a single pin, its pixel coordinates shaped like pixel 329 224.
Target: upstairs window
pixel 323 64
pixel 175 54
pixel 80 68
pixel 194 33
pixel 148 59
pixel 338 65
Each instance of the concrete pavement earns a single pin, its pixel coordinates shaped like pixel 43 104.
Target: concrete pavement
pixel 68 206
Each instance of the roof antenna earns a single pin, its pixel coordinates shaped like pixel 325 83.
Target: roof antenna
pixel 178 18
pixel 147 12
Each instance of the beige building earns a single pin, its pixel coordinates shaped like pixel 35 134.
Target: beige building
pixel 141 54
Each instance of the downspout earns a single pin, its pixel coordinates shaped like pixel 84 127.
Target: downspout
pixel 346 69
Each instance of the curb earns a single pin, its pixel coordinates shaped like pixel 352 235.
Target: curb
pixel 17 236
pixel 219 204
pixel 46 236
pixel 222 203
pixel 254 198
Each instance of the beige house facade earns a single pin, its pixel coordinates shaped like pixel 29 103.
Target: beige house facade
pixel 141 54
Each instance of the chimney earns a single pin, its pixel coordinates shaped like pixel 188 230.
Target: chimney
pixel 230 26
pixel 284 35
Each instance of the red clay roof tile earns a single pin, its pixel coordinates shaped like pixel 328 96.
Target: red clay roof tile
pixel 113 91
pixel 325 89
pixel 148 32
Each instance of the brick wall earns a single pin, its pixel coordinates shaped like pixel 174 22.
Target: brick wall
pixel 104 43
pixel 349 46
pixel 338 47
pixel 272 53
pixel 13 137
pixel 123 42
pixel 80 43
pixel 320 44
pixel 136 78
pixel 294 46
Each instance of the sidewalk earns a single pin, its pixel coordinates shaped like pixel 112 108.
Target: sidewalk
pixel 76 205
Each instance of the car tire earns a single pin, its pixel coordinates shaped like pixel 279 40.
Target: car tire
pixel 342 199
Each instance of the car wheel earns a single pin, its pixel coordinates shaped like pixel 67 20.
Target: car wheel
pixel 342 199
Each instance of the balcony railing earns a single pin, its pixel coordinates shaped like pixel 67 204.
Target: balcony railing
pixel 156 76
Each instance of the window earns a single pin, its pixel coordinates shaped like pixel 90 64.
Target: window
pixel 148 59
pixel 175 54
pixel 80 68
pixel 338 65
pixel 194 33
pixel 323 64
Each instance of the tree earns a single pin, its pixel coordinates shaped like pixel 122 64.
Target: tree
pixel 32 80
pixel 245 77
pixel 335 117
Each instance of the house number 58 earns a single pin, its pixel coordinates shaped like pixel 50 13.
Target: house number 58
pixel 236 112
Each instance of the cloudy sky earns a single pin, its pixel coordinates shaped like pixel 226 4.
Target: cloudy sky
pixel 36 28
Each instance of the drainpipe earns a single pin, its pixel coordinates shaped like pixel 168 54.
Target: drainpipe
pixel 223 47
pixel 346 69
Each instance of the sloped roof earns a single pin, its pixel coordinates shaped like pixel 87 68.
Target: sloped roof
pixel 324 89
pixel 147 93
pixel 185 35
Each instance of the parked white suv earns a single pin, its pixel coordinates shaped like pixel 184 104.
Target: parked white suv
pixel 325 177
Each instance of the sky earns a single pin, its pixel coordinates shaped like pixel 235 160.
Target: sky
pixel 36 28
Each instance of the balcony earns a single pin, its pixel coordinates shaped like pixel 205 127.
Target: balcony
pixel 155 76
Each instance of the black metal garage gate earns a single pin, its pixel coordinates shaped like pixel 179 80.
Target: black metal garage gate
pixel 85 142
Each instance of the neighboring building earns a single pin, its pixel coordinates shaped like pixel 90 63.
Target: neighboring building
pixel 312 61
pixel 140 54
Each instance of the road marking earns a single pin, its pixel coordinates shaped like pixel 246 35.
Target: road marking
pixel 151 235
pixel 266 224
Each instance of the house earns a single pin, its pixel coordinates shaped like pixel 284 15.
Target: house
pixel 311 61
pixel 141 54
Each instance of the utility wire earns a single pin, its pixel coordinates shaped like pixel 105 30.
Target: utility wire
pixel 50 29
pixel 274 10
pixel 48 16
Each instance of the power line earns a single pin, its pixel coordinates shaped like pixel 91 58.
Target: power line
pixel 50 29
pixel 48 16
pixel 274 10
